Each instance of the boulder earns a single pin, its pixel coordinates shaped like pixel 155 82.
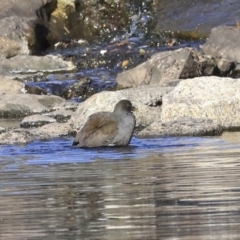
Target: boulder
pixel 10 86
pixel 222 43
pixel 162 68
pixel 211 98
pixel 20 105
pixel 36 120
pixel 182 127
pixel 147 99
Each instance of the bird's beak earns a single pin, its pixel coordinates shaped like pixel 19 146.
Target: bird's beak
pixel 133 108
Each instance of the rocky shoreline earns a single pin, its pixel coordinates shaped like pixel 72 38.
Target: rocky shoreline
pixel 182 92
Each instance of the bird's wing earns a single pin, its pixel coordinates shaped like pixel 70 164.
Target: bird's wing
pixel 99 130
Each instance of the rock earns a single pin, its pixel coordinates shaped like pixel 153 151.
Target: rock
pixel 182 127
pixel 194 16
pixel 16 136
pixel 222 43
pixel 20 105
pixel 147 99
pixel 13 36
pixel 60 115
pixel 10 86
pixel 208 65
pixel 211 98
pixel 36 121
pixel 33 64
pixel 161 68
pixel 66 105
pixel 2 130
pixel 52 130
pixel 225 66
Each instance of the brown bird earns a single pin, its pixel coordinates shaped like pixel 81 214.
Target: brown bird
pixel 108 128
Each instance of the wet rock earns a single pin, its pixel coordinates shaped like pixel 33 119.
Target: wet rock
pixel 20 105
pixel 211 98
pixel 10 86
pixel 92 19
pixel 147 99
pixel 36 121
pixel 182 127
pixel 60 115
pixel 33 64
pixel 85 88
pixel 162 68
pixel 35 90
pixel 222 43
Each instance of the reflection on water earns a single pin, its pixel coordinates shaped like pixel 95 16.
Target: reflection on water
pixel 164 188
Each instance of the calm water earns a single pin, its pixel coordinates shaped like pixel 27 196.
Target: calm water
pixel 164 188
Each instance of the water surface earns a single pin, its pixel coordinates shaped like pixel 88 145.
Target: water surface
pixel 163 188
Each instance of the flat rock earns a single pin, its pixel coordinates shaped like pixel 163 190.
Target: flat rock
pixel 182 127
pixel 20 105
pixel 10 86
pixel 162 68
pixel 33 64
pixel 36 121
pixel 147 99
pixel 211 98
pixel 222 43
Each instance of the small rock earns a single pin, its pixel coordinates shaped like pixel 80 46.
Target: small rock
pixel 60 115
pixel 36 121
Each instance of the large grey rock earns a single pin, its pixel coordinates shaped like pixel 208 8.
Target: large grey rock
pixel 147 99
pixel 19 105
pixel 211 98
pixel 182 127
pixel 162 68
pixel 10 86
pixel 36 121
pixel 33 64
pixel 222 43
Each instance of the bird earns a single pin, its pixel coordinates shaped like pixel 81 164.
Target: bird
pixel 108 128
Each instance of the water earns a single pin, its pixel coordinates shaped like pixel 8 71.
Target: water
pixel 162 188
